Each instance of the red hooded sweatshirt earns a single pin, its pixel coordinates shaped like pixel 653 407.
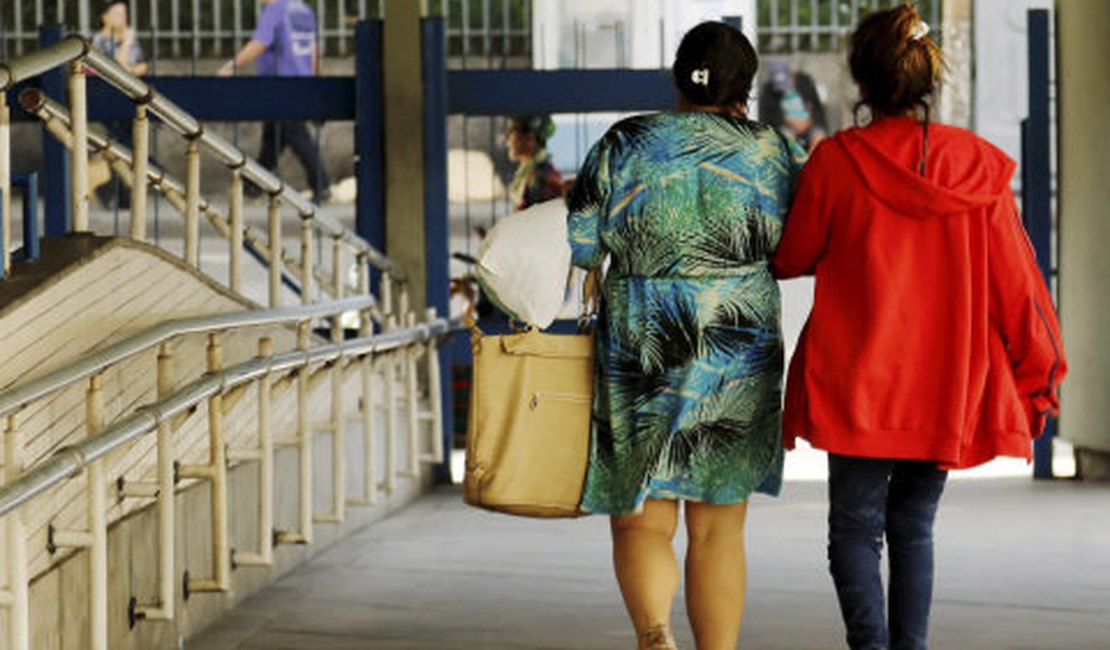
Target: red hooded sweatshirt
pixel 932 336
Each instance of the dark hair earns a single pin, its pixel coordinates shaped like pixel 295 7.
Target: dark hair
pixel 541 127
pixel 896 65
pixel 715 65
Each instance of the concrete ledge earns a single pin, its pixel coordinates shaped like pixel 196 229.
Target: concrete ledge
pixel 1092 464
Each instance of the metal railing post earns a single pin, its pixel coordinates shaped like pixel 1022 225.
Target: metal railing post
pixel 235 226
pixel 265 451
pixel 5 183
pixel 276 253
pixel 98 524
pixel 389 374
pixel 215 472
pixel 164 609
pixel 140 163
pixel 18 589
pixel 412 400
pixel 338 421
pixel 302 440
pixel 366 412
pixel 435 395
pixel 79 158
pixel 192 203
pixel 308 266
pixel 304 425
pixel 385 296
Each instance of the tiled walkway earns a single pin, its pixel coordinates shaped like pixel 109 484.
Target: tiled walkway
pixel 1022 565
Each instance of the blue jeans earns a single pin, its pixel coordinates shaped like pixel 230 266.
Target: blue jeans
pixel 870 498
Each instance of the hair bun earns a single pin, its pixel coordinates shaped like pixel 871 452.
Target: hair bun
pixel 714 65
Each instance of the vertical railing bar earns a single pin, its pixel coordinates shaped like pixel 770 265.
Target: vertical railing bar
pixel 17 20
pixel 505 33
pixel 235 227
pixel 308 266
pixel 276 254
pixel 412 400
pixel 79 159
pixel 217 455
pixel 321 42
pixel 19 634
pixel 175 27
pixel 435 395
pixel 304 437
pixel 195 37
pixel 465 24
pixel 217 27
pixel 266 462
pixel 164 609
pixel 814 34
pixel 97 522
pixel 166 505
pixel 366 367
pixel 390 379
pixel 341 27
pixel 5 184
pixel 338 421
pixel 192 203
pixel 140 135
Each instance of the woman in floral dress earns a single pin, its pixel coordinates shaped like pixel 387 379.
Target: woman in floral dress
pixel 687 207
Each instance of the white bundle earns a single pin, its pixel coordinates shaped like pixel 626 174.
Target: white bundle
pixel 524 261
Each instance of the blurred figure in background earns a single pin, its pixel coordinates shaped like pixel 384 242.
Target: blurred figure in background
pixel 789 101
pixel 284 45
pixel 117 39
pixel 536 178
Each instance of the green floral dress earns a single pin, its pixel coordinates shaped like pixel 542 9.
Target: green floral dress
pixel 689 208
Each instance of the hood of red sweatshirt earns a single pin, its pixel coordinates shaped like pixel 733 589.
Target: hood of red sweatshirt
pixel 962 171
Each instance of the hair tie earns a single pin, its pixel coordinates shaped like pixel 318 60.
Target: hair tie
pixel 919 31
pixel 700 77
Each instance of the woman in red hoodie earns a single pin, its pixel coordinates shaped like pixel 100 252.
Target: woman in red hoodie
pixel 933 343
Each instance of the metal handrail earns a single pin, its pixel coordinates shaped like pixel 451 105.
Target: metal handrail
pixel 74 47
pixel 57 120
pixel 97 361
pixel 69 461
pixel 182 122
pixel 40 61
pixel 400 349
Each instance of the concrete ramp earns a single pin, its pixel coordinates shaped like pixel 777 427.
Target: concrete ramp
pixel 90 292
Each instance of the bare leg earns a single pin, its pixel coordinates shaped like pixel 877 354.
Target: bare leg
pixel 716 573
pixel 645 563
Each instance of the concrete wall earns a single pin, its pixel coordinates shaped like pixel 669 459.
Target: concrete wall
pixel 1084 227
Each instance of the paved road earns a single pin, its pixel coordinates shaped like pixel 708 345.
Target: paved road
pixel 1023 566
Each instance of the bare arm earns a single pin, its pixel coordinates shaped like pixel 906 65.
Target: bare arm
pixel 251 51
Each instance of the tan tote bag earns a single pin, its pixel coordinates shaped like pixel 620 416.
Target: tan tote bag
pixel 528 438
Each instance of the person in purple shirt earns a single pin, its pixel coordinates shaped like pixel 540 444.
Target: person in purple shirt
pixel 284 45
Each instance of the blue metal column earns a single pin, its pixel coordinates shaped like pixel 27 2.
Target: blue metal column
pixel 55 157
pixel 1036 186
pixel 369 173
pixel 436 227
